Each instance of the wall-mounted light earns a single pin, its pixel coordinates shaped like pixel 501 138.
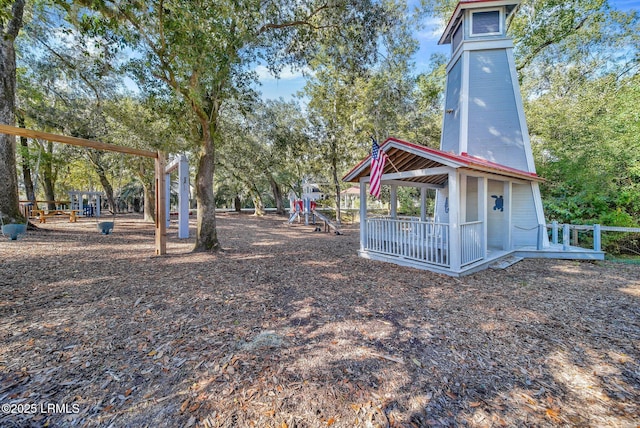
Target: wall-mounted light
pixel 450 110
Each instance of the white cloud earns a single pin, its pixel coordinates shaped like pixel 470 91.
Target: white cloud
pixel 432 30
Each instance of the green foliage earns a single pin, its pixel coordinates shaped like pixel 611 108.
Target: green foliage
pixel 588 151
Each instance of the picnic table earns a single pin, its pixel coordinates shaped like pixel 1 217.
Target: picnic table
pixel 43 214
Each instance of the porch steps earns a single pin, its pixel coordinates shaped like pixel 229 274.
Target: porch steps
pixel 505 262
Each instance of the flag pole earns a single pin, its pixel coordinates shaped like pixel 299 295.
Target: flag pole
pixel 391 162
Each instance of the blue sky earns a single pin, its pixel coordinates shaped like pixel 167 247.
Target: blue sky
pixel 290 82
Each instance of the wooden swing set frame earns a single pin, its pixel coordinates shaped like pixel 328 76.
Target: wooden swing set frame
pixel 160 162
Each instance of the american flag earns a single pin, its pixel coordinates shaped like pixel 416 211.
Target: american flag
pixel 378 160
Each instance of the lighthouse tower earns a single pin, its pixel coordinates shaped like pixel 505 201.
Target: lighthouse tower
pixel 484 118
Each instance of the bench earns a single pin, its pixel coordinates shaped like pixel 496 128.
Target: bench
pixel 44 214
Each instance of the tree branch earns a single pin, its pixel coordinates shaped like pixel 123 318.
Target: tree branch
pixel 548 43
pixel 72 66
pixel 15 23
pixel 296 23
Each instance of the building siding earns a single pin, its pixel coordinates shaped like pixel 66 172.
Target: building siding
pixel 525 221
pixel 451 126
pixel 472 200
pixel 496 219
pixel 441 213
pixel 494 126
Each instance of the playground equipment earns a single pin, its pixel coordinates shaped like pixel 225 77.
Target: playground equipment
pixel 182 165
pixel 12 230
pixel 328 224
pixel 106 227
pixel 93 206
pixel 159 161
pixel 307 207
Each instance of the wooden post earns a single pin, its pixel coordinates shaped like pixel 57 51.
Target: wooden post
pixel 574 237
pixel 161 244
pixel 161 224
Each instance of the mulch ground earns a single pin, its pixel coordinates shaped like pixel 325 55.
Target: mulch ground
pixel 289 328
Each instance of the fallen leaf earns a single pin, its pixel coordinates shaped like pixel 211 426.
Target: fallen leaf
pixel 553 415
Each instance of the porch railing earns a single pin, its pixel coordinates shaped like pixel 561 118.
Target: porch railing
pixel 409 238
pixel 471 242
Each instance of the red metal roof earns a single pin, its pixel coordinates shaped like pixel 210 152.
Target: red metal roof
pixel 429 158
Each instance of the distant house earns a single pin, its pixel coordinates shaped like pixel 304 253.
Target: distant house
pixel 487 204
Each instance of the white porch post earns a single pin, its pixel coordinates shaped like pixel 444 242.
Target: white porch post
pixel 81 203
pixel 167 195
pixel 483 184
pixel 183 198
pixel 394 201
pixel 537 199
pixel 454 221
pixel 462 185
pixel 423 204
pixel 98 204
pixel 506 243
pixel 363 214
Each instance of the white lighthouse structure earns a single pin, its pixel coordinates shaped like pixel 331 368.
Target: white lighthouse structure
pixel 488 208
pixel 484 118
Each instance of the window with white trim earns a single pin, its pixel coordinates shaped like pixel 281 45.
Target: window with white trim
pixel 486 23
pixel 456 38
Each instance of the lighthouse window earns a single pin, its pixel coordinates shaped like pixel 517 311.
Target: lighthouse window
pixel 457 38
pixel 485 23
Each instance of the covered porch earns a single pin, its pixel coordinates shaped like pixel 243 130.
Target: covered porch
pixel 481 211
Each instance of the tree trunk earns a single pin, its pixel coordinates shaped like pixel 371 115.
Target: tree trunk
pixel 95 158
pixel 237 204
pixel 26 169
pixel 277 195
pixel 9 199
pixel 149 197
pixel 149 202
pixel 48 176
pixel 258 205
pixel 336 180
pixel 206 234
pixel 108 189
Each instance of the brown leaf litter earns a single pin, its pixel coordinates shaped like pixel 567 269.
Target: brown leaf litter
pixel 289 328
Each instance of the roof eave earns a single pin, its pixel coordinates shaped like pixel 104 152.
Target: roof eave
pixel 469 4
